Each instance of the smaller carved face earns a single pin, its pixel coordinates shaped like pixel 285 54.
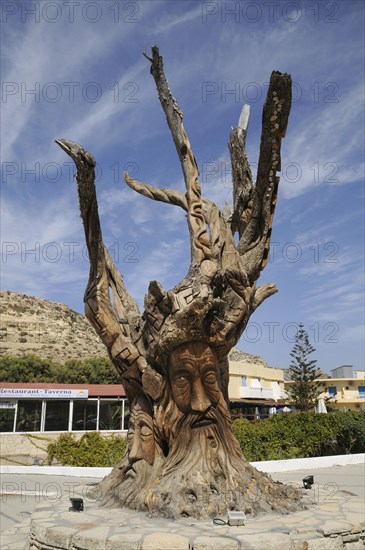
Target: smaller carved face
pixel 194 377
pixel 141 443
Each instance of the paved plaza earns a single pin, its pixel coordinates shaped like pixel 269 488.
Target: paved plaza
pixel 335 504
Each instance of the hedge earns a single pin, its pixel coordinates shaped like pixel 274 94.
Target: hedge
pixel 281 436
pixel 91 450
pixel 301 435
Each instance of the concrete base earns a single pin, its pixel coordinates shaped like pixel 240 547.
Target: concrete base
pixel 331 524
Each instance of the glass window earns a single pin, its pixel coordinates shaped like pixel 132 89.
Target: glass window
pixel 57 414
pixel 84 415
pixel 29 416
pixel 127 415
pixel 111 415
pixel 361 391
pixel 7 413
pixel 332 390
pixel 243 381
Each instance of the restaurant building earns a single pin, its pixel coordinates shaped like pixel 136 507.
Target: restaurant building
pixel 48 407
pixel 34 414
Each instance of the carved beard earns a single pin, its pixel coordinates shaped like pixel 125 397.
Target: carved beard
pixel 202 474
pixel 206 447
pixel 203 462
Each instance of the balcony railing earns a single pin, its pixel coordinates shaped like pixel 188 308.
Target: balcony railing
pixel 256 393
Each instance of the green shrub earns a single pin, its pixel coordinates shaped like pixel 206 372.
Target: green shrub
pixel 27 368
pixel 351 436
pixel 91 450
pixel 301 435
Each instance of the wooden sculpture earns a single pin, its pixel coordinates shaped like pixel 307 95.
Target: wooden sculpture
pixel 183 459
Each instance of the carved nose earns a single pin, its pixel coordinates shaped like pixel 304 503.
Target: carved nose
pixel 136 452
pixel 200 402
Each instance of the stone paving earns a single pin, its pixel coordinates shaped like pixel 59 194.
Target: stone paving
pixel 330 524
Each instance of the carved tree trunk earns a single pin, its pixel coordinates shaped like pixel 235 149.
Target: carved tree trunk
pixel 183 459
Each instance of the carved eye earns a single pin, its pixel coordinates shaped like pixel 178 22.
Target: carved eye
pixel 181 380
pixel 146 431
pixel 210 378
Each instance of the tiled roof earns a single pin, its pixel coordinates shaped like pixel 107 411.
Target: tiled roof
pixel 95 390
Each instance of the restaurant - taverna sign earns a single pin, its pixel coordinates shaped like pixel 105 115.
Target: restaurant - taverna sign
pixel 43 392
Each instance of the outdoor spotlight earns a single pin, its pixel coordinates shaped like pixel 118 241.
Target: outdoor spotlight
pixel 308 482
pixel 77 505
pixel 236 518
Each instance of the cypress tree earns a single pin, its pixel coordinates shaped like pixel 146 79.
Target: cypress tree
pixel 304 391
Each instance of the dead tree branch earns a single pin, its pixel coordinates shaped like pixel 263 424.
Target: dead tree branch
pixel 200 242
pixel 107 319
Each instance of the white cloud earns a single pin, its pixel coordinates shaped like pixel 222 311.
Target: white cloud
pixel 334 135
pixel 64 54
pixel 169 22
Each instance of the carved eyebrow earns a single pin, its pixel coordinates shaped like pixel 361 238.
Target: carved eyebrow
pixel 145 421
pixel 209 366
pixel 184 364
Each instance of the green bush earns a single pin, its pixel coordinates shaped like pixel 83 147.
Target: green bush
pixel 281 436
pixel 91 450
pixel 27 368
pixel 351 436
pixel 301 435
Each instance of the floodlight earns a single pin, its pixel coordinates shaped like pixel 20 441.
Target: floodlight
pixel 308 482
pixel 77 505
pixel 236 518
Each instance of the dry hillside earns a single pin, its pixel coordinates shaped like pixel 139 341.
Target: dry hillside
pixel 47 329
pixel 237 355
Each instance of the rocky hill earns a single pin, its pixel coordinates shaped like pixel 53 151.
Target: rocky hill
pixel 47 329
pixel 237 355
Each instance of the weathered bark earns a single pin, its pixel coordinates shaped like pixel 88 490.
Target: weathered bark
pixel 183 459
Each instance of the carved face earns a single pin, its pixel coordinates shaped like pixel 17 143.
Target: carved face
pixel 141 443
pixel 192 421
pixel 194 379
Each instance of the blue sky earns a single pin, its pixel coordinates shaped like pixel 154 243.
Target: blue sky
pixel 75 70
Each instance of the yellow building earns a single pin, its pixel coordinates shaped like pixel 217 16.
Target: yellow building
pixel 255 390
pixel 345 386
